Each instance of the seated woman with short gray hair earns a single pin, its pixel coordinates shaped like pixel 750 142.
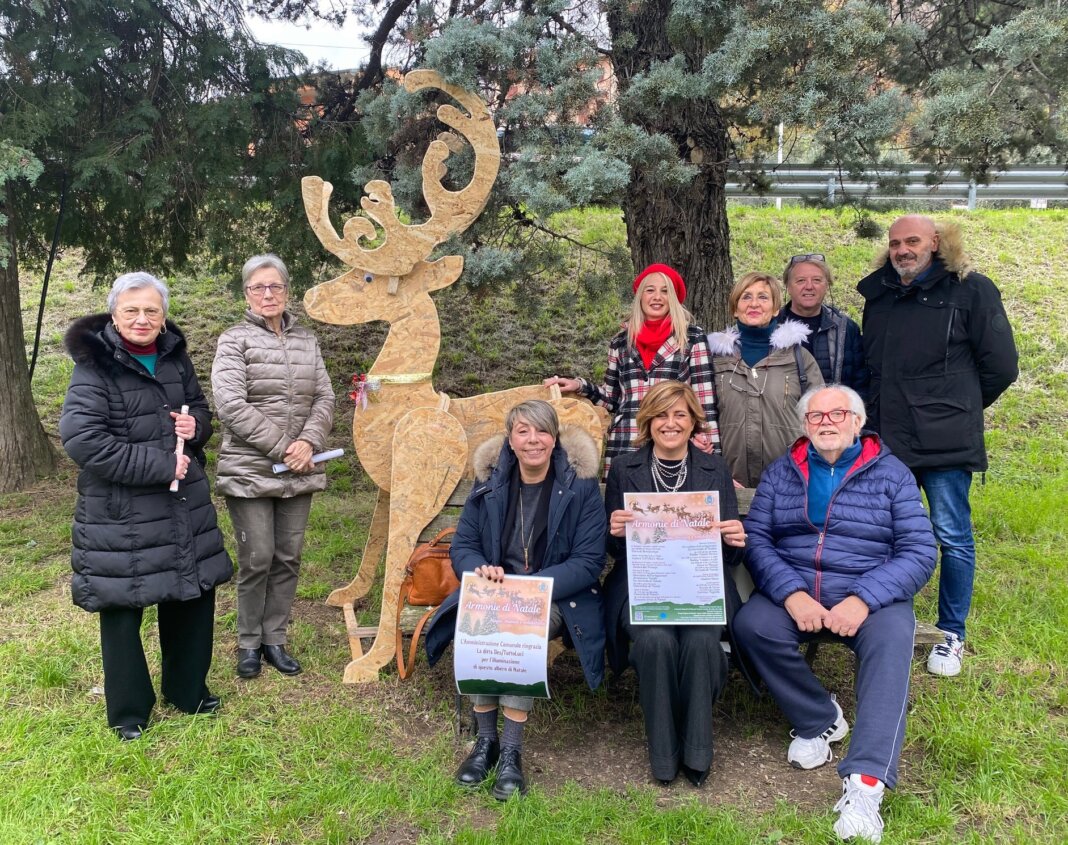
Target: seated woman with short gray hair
pixel 535 509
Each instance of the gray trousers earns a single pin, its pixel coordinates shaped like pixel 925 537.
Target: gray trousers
pixel 681 672
pixel 270 536
pixel 522 702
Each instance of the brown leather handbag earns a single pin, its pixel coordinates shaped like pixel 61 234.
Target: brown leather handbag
pixel 428 580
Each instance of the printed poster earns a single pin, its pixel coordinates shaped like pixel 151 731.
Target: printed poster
pixel 502 636
pixel 674 559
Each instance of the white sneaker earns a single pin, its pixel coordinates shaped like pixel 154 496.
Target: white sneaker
pixel 813 753
pixel 945 658
pixel 858 810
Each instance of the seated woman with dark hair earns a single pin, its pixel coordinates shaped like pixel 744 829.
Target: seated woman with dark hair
pixel 681 668
pixel 535 509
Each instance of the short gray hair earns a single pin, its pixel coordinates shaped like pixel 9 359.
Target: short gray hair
pixel 136 281
pixel 535 412
pixel 856 404
pixel 258 262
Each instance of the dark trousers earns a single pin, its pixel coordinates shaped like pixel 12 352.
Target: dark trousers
pixel 883 645
pixel 681 672
pixel 185 639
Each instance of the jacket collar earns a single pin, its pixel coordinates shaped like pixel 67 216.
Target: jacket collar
pixel 287 320
pixel 575 455
pixel 788 333
pixel 640 480
pixel 871 450
pixel 94 340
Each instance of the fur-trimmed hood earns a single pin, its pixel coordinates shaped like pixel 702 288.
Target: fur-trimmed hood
pixel 93 340
pixel 950 250
pixel 787 334
pixel 583 456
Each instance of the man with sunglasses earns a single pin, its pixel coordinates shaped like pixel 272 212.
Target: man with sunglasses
pixel 834 338
pixel 940 349
pixel 838 542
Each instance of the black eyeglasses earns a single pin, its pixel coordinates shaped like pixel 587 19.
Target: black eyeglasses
pixel 809 256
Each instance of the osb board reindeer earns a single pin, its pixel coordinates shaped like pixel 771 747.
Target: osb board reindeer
pixel 414 442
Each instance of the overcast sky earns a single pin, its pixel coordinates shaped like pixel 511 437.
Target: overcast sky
pixel 341 49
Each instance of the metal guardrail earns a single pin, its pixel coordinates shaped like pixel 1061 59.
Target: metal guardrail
pixel 1036 184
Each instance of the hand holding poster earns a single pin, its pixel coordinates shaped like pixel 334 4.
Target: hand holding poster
pixel 502 630
pixel 674 559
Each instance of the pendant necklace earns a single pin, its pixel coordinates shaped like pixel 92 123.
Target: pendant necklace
pixel 524 538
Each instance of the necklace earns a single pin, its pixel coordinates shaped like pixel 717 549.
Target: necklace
pixel 668 476
pixel 524 538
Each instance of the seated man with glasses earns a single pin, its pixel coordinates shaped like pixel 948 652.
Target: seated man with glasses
pixel 838 541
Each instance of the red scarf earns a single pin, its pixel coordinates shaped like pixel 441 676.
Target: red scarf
pixel 651 337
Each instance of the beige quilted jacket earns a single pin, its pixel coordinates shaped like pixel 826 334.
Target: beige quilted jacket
pixel 269 390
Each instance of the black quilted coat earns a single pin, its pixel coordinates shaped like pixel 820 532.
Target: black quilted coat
pixel 134 542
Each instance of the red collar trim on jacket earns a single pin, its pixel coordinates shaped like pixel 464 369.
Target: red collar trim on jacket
pixel 870 448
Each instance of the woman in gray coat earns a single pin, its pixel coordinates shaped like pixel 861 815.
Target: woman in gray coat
pixel 273 396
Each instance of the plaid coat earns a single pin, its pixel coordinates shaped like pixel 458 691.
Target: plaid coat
pixel 626 381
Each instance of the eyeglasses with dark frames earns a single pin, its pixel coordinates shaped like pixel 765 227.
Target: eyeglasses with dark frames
pixel 836 416
pixel 808 256
pixel 260 290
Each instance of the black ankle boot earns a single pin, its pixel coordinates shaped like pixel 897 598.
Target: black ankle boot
pixel 479 762
pixel 248 662
pixel 695 777
pixel 128 733
pixel 509 774
pixel 209 704
pixel 281 660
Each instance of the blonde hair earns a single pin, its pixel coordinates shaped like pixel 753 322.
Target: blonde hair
pixel 681 319
pixel 661 397
pixel 755 277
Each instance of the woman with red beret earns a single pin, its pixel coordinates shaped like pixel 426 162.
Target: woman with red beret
pixel 660 342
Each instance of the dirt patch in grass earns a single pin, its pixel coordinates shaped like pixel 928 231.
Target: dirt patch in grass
pixel 597 740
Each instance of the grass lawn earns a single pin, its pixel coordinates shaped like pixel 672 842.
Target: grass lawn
pixel 307 759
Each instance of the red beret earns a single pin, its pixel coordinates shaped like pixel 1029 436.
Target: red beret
pixel 670 272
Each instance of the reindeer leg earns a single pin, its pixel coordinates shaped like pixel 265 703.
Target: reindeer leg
pixel 372 554
pixel 429 455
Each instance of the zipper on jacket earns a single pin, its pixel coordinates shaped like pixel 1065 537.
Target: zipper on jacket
pixel 816 561
pixel 826 519
pixel 949 332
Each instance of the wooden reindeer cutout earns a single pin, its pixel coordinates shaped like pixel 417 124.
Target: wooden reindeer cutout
pixel 414 443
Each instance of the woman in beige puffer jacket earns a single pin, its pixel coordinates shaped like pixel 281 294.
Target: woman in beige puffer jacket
pixel 273 397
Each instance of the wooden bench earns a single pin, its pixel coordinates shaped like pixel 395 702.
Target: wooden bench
pixel 926 633
pixel 448 517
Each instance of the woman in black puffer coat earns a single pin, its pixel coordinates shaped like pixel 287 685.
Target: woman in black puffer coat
pixel 135 543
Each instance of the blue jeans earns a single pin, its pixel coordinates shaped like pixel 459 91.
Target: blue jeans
pixel 951 517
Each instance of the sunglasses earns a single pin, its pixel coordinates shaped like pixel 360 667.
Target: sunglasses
pixel 810 256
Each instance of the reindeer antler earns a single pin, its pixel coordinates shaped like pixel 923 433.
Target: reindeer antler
pixel 451 212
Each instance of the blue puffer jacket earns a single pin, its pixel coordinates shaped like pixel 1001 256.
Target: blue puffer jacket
pixel 573 541
pixel 877 543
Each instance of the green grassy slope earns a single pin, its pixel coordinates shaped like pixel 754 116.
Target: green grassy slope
pixel 311 760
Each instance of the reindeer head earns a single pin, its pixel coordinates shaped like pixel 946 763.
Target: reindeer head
pixel 385 278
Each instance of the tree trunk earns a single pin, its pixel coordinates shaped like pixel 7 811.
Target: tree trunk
pixel 686 226
pixel 25 451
